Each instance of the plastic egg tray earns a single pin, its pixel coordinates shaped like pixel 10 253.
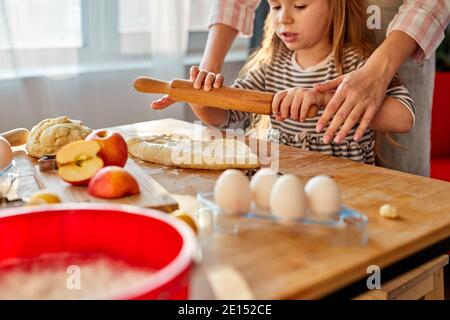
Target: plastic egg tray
pixel 347 227
pixel 7 177
pixel 7 171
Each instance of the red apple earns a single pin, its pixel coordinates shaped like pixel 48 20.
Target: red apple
pixel 113 182
pixel 113 147
pixel 79 161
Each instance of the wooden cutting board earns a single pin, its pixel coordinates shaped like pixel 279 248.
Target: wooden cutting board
pixel 152 195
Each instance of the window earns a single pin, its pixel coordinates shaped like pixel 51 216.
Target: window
pixel 58 33
pixel 134 16
pixel 135 27
pixel 31 24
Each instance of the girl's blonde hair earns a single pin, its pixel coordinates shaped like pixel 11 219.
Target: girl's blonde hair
pixel 347 29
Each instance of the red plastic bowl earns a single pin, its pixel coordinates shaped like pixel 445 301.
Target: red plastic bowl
pixel 144 237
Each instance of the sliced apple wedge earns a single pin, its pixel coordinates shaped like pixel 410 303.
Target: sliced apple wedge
pixel 78 161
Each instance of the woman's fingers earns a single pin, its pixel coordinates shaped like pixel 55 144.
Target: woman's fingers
pixel 361 89
pixel 162 103
pixel 328 85
pixel 365 121
pixel 349 123
pixel 339 119
pixel 330 109
pixel 276 104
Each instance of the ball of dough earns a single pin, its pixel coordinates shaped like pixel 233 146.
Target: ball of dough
pixel 388 211
pixel 50 135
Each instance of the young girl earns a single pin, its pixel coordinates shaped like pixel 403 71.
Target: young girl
pixel 308 42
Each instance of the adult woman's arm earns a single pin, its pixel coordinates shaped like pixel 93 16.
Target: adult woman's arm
pixel 227 20
pixel 415 32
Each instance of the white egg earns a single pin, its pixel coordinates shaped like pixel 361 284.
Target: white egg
pixel 6 153
pixel 232 192
pixel 287 199
pixel 324 196
pixel 261 185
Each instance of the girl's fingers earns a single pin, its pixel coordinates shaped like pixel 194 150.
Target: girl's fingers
pixel 307 102
pixel 205 79
pixel 285 107
pixel 365 121
pixel 200 79
pixel 209 81
pixel 295 107
pixel 349 123
pixel 276 104
pixel 339 119
pixel 162 103
pixel 330 110
pixel 219 81
pixel 194 72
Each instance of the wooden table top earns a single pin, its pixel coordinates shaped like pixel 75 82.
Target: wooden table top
pixel 272 264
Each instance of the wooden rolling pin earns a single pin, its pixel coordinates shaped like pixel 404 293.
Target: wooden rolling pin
pixel 16 137
pixel 223 97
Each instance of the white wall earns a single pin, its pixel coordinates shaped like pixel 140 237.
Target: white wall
pixel 99 99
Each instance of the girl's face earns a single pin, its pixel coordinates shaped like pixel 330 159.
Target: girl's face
pixel 301 24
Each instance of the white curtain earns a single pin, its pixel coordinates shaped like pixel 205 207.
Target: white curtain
pixel 53 76
pixel 170 23
pixel 32 36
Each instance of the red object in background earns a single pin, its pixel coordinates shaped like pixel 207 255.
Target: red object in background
pixel 440 128
pixel 140 237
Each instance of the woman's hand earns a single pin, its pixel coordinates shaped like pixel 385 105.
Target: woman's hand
pixel 358 97
pixel 295 103
pixel 359 94
pixel 202 80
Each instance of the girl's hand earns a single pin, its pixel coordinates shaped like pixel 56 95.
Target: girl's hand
pixel 204 79
pixel 162 103
pixel 295 103
pixel 358 97
pixel 201 78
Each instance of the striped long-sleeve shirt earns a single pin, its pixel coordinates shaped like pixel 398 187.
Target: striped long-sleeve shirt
pixel 282 73
pixel 424 20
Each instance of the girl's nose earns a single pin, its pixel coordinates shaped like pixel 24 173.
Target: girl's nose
pixel 285 17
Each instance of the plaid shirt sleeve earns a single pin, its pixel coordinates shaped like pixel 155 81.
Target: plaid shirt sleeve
pixel 238 14
pixel 425 21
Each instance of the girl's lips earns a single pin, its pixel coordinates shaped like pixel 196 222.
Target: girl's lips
pixel 289 36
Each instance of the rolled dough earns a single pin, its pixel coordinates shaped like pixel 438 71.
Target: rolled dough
pixel 183 152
